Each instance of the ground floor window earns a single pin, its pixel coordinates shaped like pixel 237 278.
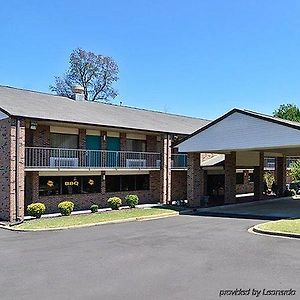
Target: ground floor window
pixel 118 183
pixel 239 178
pixel 68 185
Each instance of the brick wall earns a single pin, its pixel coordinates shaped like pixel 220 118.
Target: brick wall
pixel 178 183
pixel 84 201
pixel 151 142
pixel 41 136
pixel 82 138
pixel 8 169
pixel 123 144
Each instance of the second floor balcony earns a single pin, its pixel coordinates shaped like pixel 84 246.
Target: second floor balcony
pixel 37 158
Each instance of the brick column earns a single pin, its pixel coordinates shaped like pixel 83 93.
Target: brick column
pixel 123 146
pixel 165 170
pixel 32 187
pixel 258 174
pixel 230 178
pixel 12 168
pixel 281 175
pixel 196 180
pixel 82 138
pixel 103 140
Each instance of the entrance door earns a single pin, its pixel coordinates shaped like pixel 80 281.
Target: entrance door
pixel 113 146
pixel 93 144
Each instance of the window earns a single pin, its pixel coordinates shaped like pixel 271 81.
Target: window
pixel 49 186
pixel 136 145
pixel 91 184
pixel 68 141
pixel 113 183
pixel 251 177
pixel 127 183
pixel 68 185
pixel 239 178
pixel 71 185
pixel 142 182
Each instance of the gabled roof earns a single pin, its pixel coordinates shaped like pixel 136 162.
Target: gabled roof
pixel 42 106
pixel 243 130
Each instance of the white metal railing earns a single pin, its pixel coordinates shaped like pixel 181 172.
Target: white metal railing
pixel 59 158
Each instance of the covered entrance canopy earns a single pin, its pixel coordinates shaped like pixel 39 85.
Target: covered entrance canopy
pixel 245 137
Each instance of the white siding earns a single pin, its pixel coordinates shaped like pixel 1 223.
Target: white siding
pixel 242 132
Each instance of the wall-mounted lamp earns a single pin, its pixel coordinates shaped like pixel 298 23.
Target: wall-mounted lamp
pixel 103 177
pixel 33 125
pixel 104 137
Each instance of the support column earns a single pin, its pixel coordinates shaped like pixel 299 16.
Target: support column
pixel 196 180
pixel 103 140
pixel 165 169
pixel 12 174
pixel 258 174
pixel 32 187
pixel 82 138
pixel 230 178
pixel 281 175
pixel 123 146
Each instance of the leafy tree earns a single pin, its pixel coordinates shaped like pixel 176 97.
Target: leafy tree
pixel 288 112
pixel 95 73
pixel 295 170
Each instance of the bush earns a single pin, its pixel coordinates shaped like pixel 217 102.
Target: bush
pixel 114 202
pixel 66 207
pixel 36 209
pixel 94 208
pixel 132 200
pixel 289 193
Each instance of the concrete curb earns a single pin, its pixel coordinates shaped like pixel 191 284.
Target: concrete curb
pixel 146 218
pixel 256 229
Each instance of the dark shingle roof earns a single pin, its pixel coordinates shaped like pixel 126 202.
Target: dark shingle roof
pixel 37 105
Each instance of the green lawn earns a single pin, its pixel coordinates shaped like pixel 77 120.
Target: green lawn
pixel 290 226
pixel 76 220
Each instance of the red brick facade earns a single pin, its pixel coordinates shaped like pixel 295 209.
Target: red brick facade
pixel 12 170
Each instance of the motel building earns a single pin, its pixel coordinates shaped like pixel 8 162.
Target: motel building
pixel 53 148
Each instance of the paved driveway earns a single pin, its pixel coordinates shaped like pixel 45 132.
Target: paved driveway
pixel 184 257
pixel 269 209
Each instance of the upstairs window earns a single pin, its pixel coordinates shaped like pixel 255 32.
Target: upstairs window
pixel 135 145
pixel 61 140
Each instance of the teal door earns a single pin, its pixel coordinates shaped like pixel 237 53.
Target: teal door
pixel 93 144
pixel 113 145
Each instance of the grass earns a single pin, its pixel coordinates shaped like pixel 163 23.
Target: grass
pixel 86 219
pixel 289 226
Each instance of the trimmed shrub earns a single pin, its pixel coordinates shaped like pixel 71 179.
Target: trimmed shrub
pixel 114 202
pixel 289 193
pixel 132 200
pixel 36 209
pixel 94 208
pixel 66 207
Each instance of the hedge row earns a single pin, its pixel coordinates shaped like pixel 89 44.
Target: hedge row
pixel 66 207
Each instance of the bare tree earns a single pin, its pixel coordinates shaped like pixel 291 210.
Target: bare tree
pixel 95 73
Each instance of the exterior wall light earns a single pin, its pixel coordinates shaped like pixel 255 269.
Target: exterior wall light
pixel 33 125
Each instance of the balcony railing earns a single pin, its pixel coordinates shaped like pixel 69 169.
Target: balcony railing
pixel 57 158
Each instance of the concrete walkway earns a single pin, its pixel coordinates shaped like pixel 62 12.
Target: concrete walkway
pixel 274 209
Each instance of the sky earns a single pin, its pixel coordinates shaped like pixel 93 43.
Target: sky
pixel 195 57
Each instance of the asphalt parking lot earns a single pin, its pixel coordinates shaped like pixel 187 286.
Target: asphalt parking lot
pixel 184 257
